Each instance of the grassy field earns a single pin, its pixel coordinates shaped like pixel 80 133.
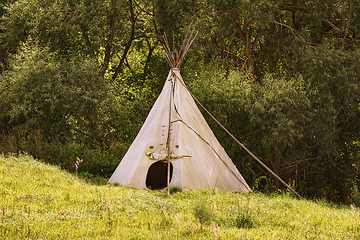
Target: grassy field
pixel 40 201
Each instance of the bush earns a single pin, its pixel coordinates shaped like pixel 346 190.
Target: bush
pixel 65 101
pixel 66 155
pixel 59 110
pixel 302 126
pixel 269 118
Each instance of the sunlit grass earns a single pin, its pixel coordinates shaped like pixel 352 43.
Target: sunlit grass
pixel 40 201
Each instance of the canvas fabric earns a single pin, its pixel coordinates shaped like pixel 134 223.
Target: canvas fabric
pixel 198 159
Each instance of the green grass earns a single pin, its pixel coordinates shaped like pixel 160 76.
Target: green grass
pixel 39 201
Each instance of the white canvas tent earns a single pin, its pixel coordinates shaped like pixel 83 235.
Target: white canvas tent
pixel 176 131
pixel 197 158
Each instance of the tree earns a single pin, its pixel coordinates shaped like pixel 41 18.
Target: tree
pixel 237 29
pixel 107 31
pixel 45 93
pixel 333 75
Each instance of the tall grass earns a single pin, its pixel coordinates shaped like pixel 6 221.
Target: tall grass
pixel 39 201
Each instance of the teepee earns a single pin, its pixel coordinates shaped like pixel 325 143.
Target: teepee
pixel 175 147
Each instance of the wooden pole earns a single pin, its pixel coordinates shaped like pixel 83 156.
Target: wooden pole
pixel 168 141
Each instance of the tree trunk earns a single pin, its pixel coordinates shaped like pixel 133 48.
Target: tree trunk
pixel 151 50
pixel 250 64
pixel 128 45
pixel 243 29
pixel 276 164
pixel 108 47
pixel 345 30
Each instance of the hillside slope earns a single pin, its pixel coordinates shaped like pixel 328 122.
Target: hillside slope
pixel 40 201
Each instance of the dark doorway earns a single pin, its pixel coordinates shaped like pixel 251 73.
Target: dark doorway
pixel 157 175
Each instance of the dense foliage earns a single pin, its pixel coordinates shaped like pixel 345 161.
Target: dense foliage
pixel 78 79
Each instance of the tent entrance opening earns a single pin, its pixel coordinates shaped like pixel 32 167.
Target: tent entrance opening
pixel 157 175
